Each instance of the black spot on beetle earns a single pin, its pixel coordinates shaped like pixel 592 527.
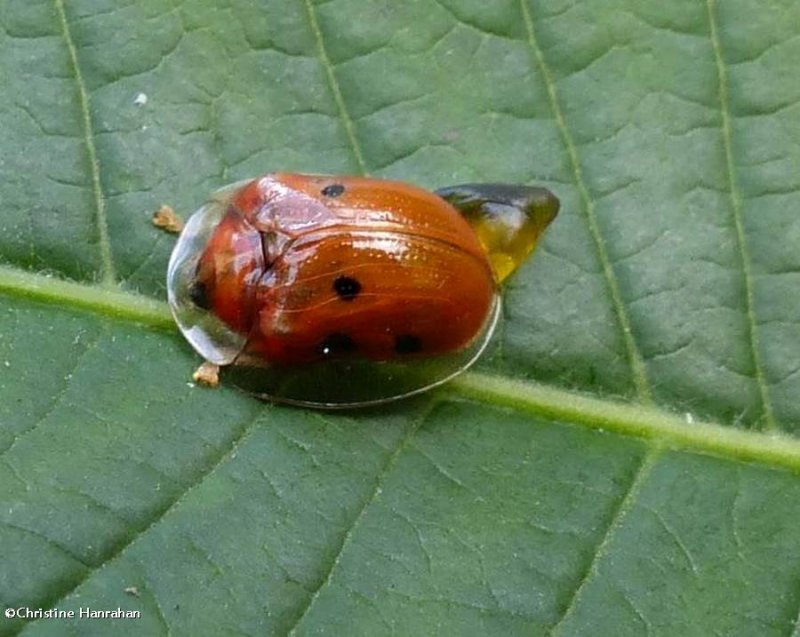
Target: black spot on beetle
pixel 346 287
pixel 407 344
pixel 334 190
pixel 336 344
pixel 199 295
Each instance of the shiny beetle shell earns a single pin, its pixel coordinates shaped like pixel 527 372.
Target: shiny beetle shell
pixel 345 291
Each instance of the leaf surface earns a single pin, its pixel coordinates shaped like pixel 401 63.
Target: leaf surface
pixel 623 462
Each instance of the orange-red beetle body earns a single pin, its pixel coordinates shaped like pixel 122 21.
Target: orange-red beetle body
pixel 355 265
pixel 291 271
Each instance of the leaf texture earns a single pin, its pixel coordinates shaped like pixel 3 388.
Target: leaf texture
pixel 623 462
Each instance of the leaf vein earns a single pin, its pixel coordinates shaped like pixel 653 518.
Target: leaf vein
pixel 649 423
pixel 625 504
pixel 673 534
pixel 47 540
pixel 56 400
pixel 180 497
pixel 335 88
pixel 736 209
pixel 635 360
pixel 107 272
pixel 346 538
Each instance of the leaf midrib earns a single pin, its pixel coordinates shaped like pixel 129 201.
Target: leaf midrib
pixel 656 426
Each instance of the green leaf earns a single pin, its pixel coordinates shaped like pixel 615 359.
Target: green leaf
pixel 623 463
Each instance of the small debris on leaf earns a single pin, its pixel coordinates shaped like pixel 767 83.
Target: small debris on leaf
pixel 207 375
pixel 167 219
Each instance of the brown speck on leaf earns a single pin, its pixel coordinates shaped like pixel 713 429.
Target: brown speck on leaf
pixel 167 219
pixel 207 375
